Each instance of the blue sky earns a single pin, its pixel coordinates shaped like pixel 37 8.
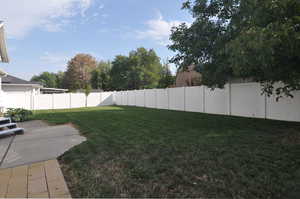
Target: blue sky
pixel 44 35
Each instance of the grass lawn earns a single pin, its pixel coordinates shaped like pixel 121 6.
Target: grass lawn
pixel 138 152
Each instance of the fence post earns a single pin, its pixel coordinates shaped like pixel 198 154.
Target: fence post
pixel 184 93
pixel 230 94
pixel 100 96
pixel 70 100
pixel 156 106
pixel 144 97
pixel 134 97
pixel 266 106
pixel 31 99
pixel 52 101
pixel 203 90
pixel 168 92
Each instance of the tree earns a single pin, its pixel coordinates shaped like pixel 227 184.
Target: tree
pixel 141 69
pixel 47 79
pixel 120 73
pixel 59 79
pixel 100 77
pixel 166 77
pixel 87 91
pixel 258 39
pixel 79 70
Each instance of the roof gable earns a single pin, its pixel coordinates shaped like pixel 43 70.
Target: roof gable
pixel 9 79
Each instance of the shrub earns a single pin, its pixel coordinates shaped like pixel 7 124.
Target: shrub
pixel 18 114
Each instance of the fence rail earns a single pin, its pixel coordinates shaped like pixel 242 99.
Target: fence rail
pixel 243 99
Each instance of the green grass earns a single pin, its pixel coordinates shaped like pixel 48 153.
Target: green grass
pixel 137 152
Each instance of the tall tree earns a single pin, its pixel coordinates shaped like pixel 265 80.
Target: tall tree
pixel 59 79
pixel 100 77
pixel 120 73
pixel 47 79
pixel 258 39
pixel 79 70
pixel 166 77
pixel 141 69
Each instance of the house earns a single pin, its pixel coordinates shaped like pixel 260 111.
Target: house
pixel 189 77
pixel 11 84
pixel 3 58
pixel 6 127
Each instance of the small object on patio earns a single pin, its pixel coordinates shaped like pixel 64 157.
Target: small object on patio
pixel 8 128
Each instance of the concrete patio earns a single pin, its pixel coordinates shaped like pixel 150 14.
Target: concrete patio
pixel 40 142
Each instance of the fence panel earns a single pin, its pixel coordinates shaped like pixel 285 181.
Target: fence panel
pixel 217 101
pixel 176 99
pixel 124 98
pixel 107 99
pixel 285 108
pixel 118 98
pixel 194 99
pixel 17 100
pixel 61 101
pixel 93 99
pixel 247 101
pixel 150 100
pixel 131 98
pixel 78 100
pixel 140 98
pixel 43 102
pixel 162 98
pixel 238 99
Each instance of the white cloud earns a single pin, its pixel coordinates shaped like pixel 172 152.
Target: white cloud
pixel 159 30
pixel 21 16
pixel 55 59
pixel 101 6
pixel 85 4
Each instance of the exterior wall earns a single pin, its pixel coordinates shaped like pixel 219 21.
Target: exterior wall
pixel 15 88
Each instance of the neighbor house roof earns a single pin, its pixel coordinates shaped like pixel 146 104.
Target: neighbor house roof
pixel 3 51
pixel 11 80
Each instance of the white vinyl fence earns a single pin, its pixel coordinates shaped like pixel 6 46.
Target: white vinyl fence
pixel 57 101
pixel 243 99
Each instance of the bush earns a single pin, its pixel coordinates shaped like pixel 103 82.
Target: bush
pixel 18 114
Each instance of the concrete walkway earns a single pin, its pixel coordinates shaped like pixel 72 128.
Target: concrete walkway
pixel 38 180
pixel 40 142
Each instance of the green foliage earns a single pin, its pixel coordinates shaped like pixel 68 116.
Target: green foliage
pixel 141 69
pixel 166 77
pixel 100 77
pixel 18 114
pixel 60 79
pixel 47 79
pixel 242 39
pixel 87 89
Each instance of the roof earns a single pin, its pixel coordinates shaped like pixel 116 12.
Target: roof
pixel 3 51
pixel 9 79
pixel 53 90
